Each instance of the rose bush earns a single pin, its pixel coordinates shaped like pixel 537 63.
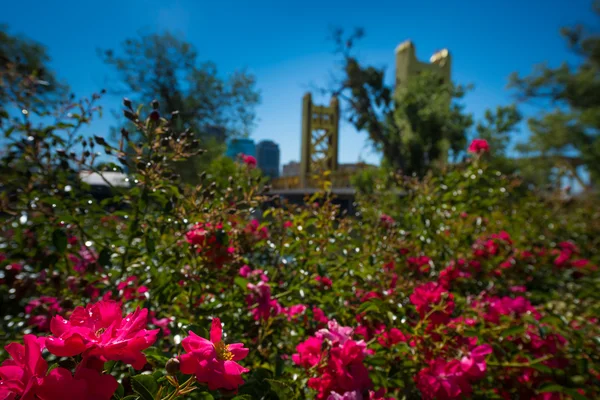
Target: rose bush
pixel 461 285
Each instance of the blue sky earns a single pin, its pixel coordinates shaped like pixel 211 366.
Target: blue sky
pixel 285 45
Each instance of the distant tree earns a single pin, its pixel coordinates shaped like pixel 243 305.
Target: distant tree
pixel 569 134
pixel 166 68
pixel 414 128
pixel 497 127
pixel 25 76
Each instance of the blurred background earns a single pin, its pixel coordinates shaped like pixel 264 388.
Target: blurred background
pixel 522 75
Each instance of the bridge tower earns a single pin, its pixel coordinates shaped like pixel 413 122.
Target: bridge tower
pixel 320 134
pixel 408 65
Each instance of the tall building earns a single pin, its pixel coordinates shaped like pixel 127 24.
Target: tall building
pixel 236 147
pixel 291 169
pixel 267 158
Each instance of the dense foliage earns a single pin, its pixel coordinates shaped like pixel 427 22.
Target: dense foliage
pixel 459 285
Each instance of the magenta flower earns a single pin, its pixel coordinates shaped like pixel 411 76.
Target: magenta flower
pixel 420 263
pixel 308 352
pixel 245 271
pixel 85 260
pixel 162 323
pixel 249 160
pixel 443 380
pixel 254 229
pixel 335 333
pixel 319 315
pixel 210 241
pixel 294 310
pixel 386 220
pixel 24 376
pixel 392 338
pixel 265 307
pixel 19 375
pixel 41 310
pixel 479 146
pixel 99 332
pixel 212 361
pixel 431 294
pixel 474 365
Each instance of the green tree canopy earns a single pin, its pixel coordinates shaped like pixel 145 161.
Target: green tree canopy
pixel 25 76
pixel 569 133
pixel 166 68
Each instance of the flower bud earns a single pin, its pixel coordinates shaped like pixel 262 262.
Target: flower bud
pixel 172 366
pixel 126 102
pixel 154 115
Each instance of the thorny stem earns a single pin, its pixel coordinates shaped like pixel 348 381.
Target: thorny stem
pixel 521 365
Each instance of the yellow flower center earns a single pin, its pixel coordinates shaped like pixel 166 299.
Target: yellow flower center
pixel 223 352
pixel 100 332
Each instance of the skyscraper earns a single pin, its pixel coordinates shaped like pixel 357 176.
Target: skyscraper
pixel 267 158
pixel 236 147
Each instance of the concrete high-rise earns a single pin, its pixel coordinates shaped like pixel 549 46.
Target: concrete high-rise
pixel 267 158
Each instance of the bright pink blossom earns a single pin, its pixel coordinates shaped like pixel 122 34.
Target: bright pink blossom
pixel 25 376
pixel 129 289
pixel 443 380
pixel 337 361
pixel 212 361
pixel 85 260
pixel 264 306
pixel 41 310
pixel 386 220
pixel 392 338
pixel 20 375
pixel 248 160
pixel 319 316
pixel 100 332
pixel 494 307
pixel 429 295
pixel 421 263
pixel 308 352
pixel 245 271
pixel 473 365
pixel 254 229
pixel 479 146
pixel 335 333
pixel 162 323
pixel 324 281
pixel 294 310
pixel 210 242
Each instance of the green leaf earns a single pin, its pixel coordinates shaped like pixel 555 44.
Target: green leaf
pixel 150 245
pixel 513 331
pixel 120 392
pixel 242 397
pixel 104 257
pixel 552 320
pixel 59 240
pixel 542 368
pixel 550 388
pixel 241 282
pixel 145 386
pixel 575 394
pixel 282 390
pixel 204 396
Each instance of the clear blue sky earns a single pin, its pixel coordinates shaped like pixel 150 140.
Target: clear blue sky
pixel 284 43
